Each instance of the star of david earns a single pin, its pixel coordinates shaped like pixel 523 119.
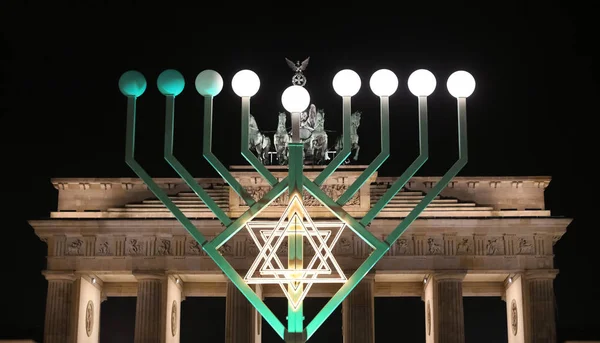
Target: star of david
pixel 322 268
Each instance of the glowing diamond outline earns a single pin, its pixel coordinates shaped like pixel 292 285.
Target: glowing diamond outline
pixel 268 253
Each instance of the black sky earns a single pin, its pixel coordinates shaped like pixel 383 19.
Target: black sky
pixel 62 114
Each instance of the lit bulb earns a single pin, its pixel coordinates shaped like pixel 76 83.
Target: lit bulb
pixel 346 82
pixel 295 99
pixel 383 82
pixel 461 84
pixel 421 82
pixel 245 83
pixel 170 82
pixel 209 83
pixel 132 83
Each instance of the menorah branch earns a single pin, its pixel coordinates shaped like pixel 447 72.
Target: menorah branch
pixel 249 214
pixel 410 171
pixel 181 170
pixel 245 149
pixel 378 161
pixel 346 148
pixel 213 160
pixel 344 216
pixel 142 174
pixel 444 181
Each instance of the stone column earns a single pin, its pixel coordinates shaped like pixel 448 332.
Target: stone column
pixel 58 326
pixel 150 308
pixel 358 313
pixel 538 299
pixel 239 315
pixel 444 314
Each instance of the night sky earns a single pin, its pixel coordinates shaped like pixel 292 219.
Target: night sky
pixel 62 115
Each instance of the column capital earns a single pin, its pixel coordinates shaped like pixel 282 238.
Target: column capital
pixel 540 274
pixel 457 275
pixel 59 275
pixel 150 275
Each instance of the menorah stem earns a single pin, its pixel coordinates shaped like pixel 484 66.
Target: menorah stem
pixel 295 317
pixel 378 161
pixel 248 155
pixel 142 174
pixel 214 161
pixel 346 148
pixel 450 174
pixel 410 171
pixel 181 170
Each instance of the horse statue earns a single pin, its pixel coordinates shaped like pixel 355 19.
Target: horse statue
pixel 318 140
pixel 258 143
pixel 339 143
pixel 281 138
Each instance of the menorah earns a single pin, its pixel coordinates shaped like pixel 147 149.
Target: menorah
pixel 296 225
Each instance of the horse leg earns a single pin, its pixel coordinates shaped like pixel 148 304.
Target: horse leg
pixel 356 153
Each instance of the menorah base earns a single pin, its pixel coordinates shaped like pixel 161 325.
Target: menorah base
pixel 295 337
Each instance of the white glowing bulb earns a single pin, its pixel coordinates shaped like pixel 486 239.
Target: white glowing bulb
pixel 346 82
pixel 421 82
pixel 295 99
pixel 461 84
pixel 383 82
pixel 245 83
pixel 209 83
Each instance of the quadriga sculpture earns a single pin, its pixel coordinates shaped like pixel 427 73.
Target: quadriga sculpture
pixel 354 124
pixel 318 140
pixel 281 139
pixel 258 143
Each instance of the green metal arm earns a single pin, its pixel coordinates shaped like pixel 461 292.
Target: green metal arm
pixel 213 160
pixel 410 171
pixel 343 292
pixel 189 226
pixel 346 148
pixel 142 174
pixel 180 169
pixel 339 212
pixel 378 161
pixel 248 155
pixel 444 181
pixel 250 213
pixel 376 255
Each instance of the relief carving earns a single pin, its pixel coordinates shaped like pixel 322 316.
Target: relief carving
pixel 103 249
pixel 75 247
pixel 134 247
pixel 89 318
pixel 174 323
pixel 194 247
pixel 464 246
pixel 252 248
pixel 514 317
pixel 226 250
pixel 402 247
pixel 345 246
pixel 525 247
pixel 492 246
pixel 165 247
pixel 434 248
pixel 333 191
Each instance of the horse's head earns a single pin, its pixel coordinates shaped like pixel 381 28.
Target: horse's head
pixel 355 118
pixel 320 119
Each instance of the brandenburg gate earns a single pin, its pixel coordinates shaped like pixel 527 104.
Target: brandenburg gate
pixel 474 236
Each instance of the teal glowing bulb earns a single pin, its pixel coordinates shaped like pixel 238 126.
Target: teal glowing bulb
pixel 132 83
